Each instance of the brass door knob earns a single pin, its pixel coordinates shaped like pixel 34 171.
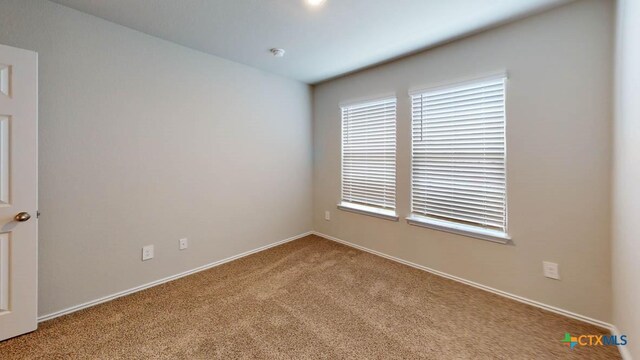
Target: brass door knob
pixel 23 216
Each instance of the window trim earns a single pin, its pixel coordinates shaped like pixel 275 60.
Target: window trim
pixel 364 209
pixel 381 213
pixel 459 228
pixel 441 85
pixel 367 99
pixel 477 232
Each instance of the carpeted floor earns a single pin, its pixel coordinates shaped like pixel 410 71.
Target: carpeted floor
pixel 308 299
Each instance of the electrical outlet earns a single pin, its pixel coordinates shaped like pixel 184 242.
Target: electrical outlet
pixel 551 270
pixel 327 215
pixel 147 252
pixel 183 244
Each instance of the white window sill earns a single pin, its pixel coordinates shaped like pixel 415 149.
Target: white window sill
pixel 369 210
pixel 460 229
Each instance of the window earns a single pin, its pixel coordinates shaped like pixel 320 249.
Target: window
pixel 458 181
pixel 369 158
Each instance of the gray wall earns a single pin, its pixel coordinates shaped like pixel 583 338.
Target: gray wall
pixel 559 148
pixel 626 199
pixel 145 142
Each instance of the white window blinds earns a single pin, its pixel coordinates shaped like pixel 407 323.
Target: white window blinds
pixel 369 154
pixel 458 154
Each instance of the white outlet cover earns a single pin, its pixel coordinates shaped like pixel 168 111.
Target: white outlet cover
pixel 327 215
pixel 147 252
pixel 183 244
pixel 550 270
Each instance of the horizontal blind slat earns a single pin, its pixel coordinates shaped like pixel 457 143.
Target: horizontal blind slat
pixel 497 204
pixel 460 99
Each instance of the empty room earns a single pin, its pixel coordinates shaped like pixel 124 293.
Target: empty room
pixel 319 179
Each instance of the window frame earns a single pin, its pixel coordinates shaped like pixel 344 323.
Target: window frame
pixel 443 224
pixel 367 209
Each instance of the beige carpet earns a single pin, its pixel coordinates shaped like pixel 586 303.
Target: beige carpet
pixel 308 299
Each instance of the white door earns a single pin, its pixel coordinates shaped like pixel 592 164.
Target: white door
pixel 18 191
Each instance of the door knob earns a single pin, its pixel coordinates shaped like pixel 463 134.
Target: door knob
pixel 23 216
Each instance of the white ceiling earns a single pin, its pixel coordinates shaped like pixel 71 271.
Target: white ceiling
pixel 339 37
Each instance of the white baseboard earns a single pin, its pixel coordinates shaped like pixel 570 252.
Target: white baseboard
pixel 624 351
pixel 164 280
pixel 518 298
pixel 626 355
